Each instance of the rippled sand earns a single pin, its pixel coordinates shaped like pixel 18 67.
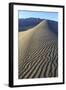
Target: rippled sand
pixel 38 52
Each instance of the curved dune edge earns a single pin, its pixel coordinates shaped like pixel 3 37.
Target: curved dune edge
pixel 38 52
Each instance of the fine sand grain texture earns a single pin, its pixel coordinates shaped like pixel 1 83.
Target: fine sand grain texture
pixel 38 52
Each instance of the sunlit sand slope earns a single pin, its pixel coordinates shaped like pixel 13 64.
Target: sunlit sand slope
pixel 38 52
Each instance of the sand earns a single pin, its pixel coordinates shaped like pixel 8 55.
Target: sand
pixel 38 52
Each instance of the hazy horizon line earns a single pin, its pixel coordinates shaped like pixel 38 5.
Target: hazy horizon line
pixel 38 18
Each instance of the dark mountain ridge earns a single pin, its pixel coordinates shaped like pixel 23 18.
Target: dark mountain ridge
pixel 28 23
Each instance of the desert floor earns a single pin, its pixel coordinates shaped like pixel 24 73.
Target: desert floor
pixel 37 52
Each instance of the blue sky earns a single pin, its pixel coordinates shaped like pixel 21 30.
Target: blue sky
pixel 38 14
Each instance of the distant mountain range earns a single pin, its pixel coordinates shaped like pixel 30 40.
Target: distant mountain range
pixel 28 23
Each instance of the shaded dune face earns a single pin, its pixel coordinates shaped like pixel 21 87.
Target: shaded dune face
pixel 38 52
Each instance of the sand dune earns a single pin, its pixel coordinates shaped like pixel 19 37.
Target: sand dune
pixel 38 52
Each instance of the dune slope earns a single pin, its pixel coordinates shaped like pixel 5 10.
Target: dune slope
pixel 38 52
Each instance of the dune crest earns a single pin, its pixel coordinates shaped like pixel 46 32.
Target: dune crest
pixel 43 25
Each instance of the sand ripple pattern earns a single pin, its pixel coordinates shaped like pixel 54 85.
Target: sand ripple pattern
pixel 38 53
